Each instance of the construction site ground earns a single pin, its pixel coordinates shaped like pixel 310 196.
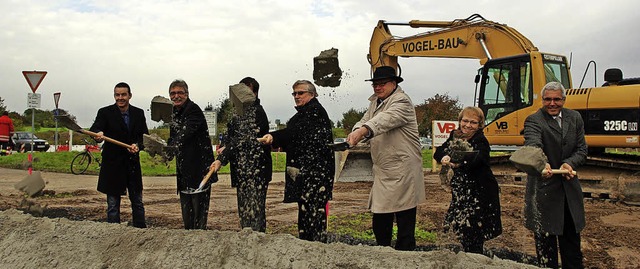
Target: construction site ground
pixel 611 238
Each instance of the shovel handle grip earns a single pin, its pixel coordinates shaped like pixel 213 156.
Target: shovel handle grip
pixel 559 171
pixel 108 139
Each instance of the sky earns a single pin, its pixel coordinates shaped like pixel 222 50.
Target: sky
pixel 87 47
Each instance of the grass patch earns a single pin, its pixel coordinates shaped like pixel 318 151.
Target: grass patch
pixel 61 162
pixel 358 226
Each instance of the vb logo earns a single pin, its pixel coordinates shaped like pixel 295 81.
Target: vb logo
pixel 502 125
pixel 446 128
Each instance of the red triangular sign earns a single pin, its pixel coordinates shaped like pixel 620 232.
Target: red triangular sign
pixel 34 78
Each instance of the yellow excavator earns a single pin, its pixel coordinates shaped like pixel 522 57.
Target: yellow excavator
pixel 512 73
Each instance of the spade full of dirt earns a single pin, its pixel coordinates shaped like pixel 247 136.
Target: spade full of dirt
pixel 326 70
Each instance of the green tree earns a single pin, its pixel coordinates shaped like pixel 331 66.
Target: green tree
pixel 3 108
pixel 224 114
pixel 351 117
pixel 438 107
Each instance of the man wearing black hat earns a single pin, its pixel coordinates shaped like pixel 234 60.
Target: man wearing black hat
pixel 398 186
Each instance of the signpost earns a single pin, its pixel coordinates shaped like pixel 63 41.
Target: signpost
pixel 34 78
pixel 440 130
pixel 56 98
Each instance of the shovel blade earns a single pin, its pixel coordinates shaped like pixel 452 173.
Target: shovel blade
pixel 31 184
pixel 161 109
pixel 339 146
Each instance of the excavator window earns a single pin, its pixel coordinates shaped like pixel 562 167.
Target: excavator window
pixel 506 87
pixel 557 71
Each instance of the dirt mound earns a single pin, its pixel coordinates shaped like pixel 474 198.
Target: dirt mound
pixel 30 242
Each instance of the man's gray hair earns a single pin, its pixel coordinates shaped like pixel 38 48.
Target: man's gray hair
pixel 310 87
pixel 554 86
pixel 179 83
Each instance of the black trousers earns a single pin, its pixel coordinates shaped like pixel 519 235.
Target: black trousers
pixel 312 220
pixel 252 198
pixel 383 229
pixel 195 208
pixel 569 242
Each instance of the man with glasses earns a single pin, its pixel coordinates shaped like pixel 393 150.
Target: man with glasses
pixel 554 209
pixel 190 135
pixel 310 161
pixel 120 171
pixel 398 183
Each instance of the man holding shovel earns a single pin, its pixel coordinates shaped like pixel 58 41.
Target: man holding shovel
pixel 310 162
pixel 120 171
pixel 189 134
pixel 398 184
pixel 554 208
pixel 250 161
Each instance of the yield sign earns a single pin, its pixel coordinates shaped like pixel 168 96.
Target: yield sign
pixel 34 78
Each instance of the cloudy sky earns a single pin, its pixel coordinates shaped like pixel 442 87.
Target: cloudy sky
pixel 88 46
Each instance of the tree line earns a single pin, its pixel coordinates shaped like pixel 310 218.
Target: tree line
pixel 437 107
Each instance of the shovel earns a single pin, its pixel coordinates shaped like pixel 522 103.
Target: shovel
pixel 342 146
pixel 532 161
pixel 161 109
pixel 242 97
pixel 32 184
pixel 66 121
pixel 202 184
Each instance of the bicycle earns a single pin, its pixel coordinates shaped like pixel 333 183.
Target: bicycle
pixel 81 162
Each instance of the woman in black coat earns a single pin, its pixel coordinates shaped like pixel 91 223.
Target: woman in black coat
pixel 474 212
pixel 310 161
pixel 250 161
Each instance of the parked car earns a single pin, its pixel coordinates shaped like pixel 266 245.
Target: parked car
pixel 339 140
pixel 21 139
pixel 425 142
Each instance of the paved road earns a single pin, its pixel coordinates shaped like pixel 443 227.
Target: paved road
pixel 62 182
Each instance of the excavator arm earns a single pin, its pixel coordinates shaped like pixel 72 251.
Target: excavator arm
pixel 473 37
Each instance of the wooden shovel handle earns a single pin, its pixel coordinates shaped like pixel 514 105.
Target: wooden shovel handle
pixel 206 178
pixel 110 140
pixel 559 171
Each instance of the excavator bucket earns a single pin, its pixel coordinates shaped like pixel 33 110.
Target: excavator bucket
pixel 354 164
pixel 326 70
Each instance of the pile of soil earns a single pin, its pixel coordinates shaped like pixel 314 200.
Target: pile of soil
pixel 72 231
pixel 30 242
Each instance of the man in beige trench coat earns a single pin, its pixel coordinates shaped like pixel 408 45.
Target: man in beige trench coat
pixel 398 184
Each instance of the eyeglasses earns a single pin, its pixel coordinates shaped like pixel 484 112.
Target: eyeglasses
pixel 469 122
pixel 177 93
pixel 556 99
pixel 379 84
pixel 298 93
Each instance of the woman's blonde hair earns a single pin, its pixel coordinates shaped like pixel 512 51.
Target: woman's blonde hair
pixel 473 111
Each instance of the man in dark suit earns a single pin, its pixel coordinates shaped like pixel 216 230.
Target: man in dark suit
pixel 120 170
pixel 190 135
pixel 554 209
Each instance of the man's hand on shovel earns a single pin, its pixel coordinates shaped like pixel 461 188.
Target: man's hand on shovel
pixel 571 173
pixel 565 169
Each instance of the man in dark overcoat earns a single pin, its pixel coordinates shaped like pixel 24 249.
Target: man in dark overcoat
pixel 554 209
pixel 120 171
pixel 189 134
pixel 310 161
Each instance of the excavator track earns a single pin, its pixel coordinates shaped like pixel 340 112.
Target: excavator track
pixel 611 177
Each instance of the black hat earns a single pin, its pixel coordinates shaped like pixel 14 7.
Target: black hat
pixel 385 72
